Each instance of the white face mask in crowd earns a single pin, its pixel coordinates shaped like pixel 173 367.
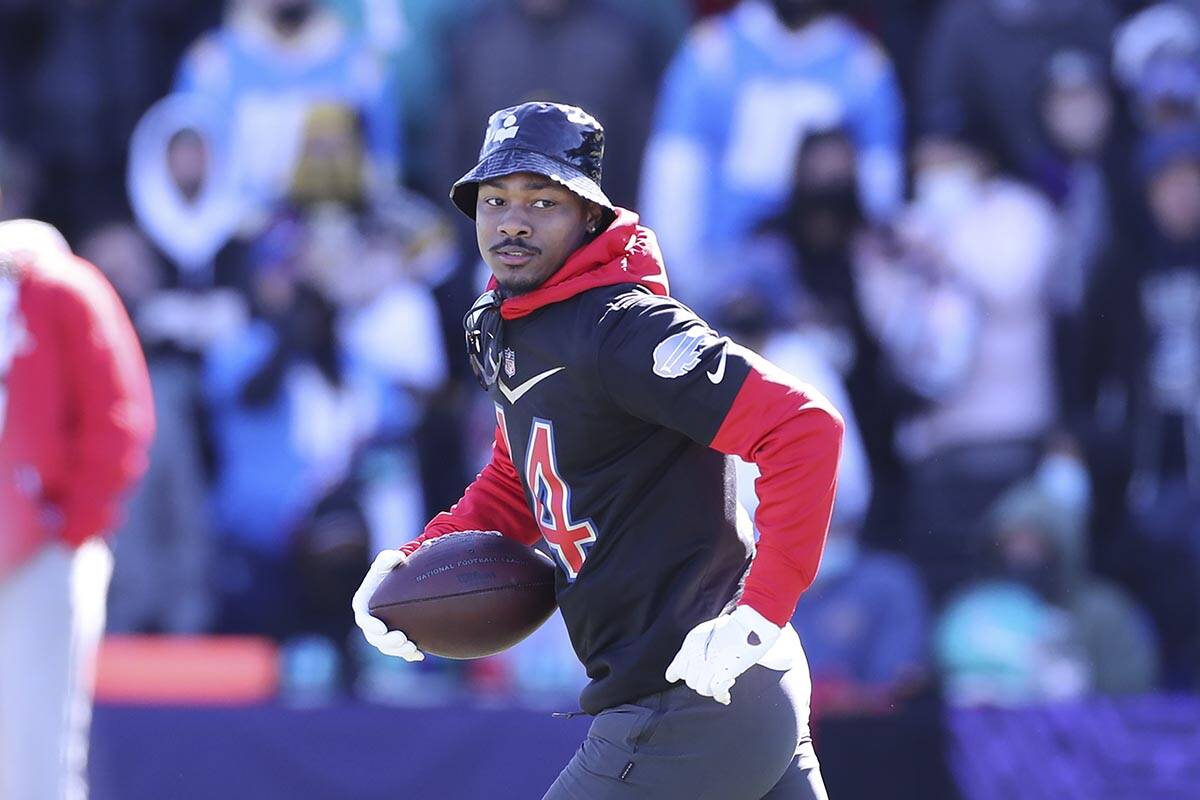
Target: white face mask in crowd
pixel 946 190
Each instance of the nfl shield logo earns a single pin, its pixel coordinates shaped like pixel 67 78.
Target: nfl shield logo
pixel 510 362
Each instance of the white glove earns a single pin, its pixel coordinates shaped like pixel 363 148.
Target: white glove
pixel 390 643
pixel 716 652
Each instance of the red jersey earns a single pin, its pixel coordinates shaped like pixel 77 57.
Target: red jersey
pixel 76 413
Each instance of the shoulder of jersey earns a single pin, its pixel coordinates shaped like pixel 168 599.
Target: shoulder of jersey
pixel 631 298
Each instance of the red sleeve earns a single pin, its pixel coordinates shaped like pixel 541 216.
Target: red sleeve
pixel 495 501
pixel 114 409
pixel 794 436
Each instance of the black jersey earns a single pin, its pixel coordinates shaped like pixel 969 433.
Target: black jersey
pixel 615 407
pixel 608 401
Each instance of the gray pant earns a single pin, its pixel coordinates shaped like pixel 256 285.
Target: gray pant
pixel 678 744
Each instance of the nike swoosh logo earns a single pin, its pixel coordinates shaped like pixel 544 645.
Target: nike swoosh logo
pixel 718 374
pixel 513 395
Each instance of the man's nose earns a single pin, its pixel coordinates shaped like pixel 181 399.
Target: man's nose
pixel 514 224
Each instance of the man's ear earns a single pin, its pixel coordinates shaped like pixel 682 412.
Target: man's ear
pixel 595 214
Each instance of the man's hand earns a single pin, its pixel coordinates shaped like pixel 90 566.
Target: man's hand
pixel 716 652
pixel 391 643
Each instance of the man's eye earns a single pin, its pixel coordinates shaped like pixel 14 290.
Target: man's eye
pixel 543 204
pixel 493 201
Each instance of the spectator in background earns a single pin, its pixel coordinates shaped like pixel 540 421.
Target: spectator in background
pixel 399 250
pixel 1042 543
pixel 76 420
pixel 807 244
pixel 1146 315
pixel 1002 645
pixel 331 164
pixel 186 204
pixel 804 254
pixel 182 190
pixel 409 38
pixel 375 265
pixel 956 299
pixel 288 410
pixel 412 37
pixel 75 77
pixel 1088 177
pixel 162 573
pixel 1077 116
pixel 1156 58
pixel 985 62
pixel 1042 627
pixel 738 99
pixel 378 259
pixel 336 278
pixel 265 69
pixel 581 52
pixel 1084 176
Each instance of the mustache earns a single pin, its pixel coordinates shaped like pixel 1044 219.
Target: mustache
pixel 518 244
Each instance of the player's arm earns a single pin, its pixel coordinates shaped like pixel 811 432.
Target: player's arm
pixel 663 364
pixel 109 390
pixel 794 435
pixel 495 500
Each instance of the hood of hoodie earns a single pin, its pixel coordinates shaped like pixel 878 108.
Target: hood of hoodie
pixel 189 232
pixel 626 252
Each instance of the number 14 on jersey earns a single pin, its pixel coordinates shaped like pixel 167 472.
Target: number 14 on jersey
pixel 569 538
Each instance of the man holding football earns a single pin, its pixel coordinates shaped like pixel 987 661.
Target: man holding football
pixel 617 412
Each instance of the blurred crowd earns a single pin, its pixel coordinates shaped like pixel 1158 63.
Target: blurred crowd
pixel 974 224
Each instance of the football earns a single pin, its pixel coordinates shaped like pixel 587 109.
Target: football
pixel 467 595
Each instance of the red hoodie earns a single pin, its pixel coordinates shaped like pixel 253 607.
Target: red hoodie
pixel 780 424
pixel 625 252
pixel 78 418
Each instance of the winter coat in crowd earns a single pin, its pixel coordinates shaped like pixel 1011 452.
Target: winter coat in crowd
pixel 985 61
